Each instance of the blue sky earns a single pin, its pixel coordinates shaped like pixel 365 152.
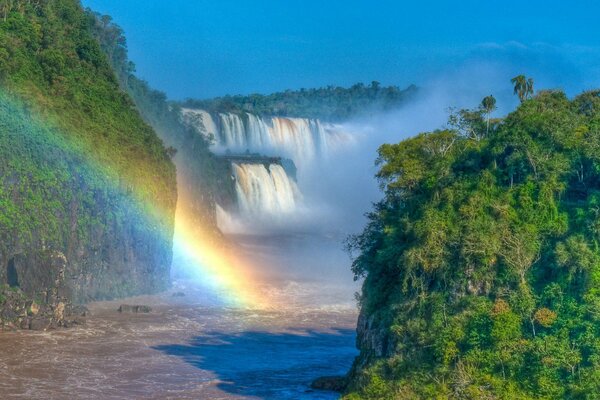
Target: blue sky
pixel 200 48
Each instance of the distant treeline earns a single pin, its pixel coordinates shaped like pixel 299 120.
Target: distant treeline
pixel 331 103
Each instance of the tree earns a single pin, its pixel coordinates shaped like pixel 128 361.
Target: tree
pixel 523 87
pixel 468 123
pixel 488 104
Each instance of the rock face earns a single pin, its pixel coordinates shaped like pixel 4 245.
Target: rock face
pixel 126 308
pixel 371 338
pixel 115 258
pixel 331 383
pixel 374 342
pixel 19 311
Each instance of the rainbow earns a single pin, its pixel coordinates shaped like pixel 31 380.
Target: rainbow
pixel 216 265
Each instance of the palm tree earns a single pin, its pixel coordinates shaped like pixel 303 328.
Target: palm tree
pixel 488 104
pixel 529 87
pixel 523 87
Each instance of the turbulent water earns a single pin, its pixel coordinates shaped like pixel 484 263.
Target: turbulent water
pixel 194 347
pixel 265 191
pixel 197 346
pixel 266 196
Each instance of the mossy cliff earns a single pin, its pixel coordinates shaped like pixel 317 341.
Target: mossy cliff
pixel 83 178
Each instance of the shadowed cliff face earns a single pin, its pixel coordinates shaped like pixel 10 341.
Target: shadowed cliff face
pixel 67 232
pixel 118 258
pixel 87 189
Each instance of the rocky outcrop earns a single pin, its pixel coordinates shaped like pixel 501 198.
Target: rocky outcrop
pixel 372 338
pixel 121 253
pixel 374 342
pixel 137 309
pixel 19 311
pixel 330 383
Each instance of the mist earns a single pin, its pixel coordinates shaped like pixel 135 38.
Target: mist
pixel 343 187
pixel 339 188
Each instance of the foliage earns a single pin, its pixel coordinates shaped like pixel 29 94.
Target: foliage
pixel 56 67
pixel 523 87
pixel 482 262
pixel 329 103
pixel 75 156
pixel 196 165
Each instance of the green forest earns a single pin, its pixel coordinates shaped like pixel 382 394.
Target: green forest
pixel 331 103
pixel 482 262
pixel 50 60
pixel 80 170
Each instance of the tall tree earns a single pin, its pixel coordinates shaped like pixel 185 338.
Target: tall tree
pixel 523 87
pixel 488 104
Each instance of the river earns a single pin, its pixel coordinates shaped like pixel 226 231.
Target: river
pixel 192 346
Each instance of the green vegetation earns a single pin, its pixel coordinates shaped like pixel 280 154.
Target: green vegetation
pixel 78 164
pixel 196 166
pixel 50 60
pixel 482 262
pixel 523 87
pixel 329 103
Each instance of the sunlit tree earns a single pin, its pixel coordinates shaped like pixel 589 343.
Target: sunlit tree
pixel 523 87
pixel 488 104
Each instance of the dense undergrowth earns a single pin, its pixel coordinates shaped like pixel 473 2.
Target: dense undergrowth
pixel 197 168
pixel 50 61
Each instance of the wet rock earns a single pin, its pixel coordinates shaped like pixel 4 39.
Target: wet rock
pixel 331 383
pixel 137 309
pixel 25 323
pixel 19 311
pixel 10 326
pixel 73 321
pixel 41 324
pixel 81 311
pixel 124 308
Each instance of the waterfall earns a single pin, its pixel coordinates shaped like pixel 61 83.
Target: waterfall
pixel 259 135
pixel 202 121
pixel 262 191
pixel 302 139
pixel 233 132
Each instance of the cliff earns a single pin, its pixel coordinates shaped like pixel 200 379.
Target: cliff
pixel 87 189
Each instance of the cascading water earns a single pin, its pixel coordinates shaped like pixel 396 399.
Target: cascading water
pixel 301 139
pixel 263 191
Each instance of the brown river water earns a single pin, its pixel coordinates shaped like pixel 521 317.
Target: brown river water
pixel 189 347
